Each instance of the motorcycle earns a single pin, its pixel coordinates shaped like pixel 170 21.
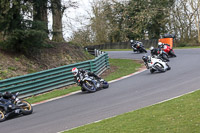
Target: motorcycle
pixel 155 64
pixel 168 50
pixel 13 106
pixel 90 84
pixel 159 53
pixel 138 47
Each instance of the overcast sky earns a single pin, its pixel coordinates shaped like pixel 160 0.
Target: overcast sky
pixel 72 18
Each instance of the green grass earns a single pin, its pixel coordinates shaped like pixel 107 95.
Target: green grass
pixel 124 67
pixel 186 47
pixel 52 94
pixel 180 115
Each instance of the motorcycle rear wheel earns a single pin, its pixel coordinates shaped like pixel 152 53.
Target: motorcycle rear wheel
pixel 152 70
pixel 105 84
pixel 28 109
pixel 2 115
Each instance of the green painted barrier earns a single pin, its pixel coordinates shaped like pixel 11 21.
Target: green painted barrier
pixel 43 81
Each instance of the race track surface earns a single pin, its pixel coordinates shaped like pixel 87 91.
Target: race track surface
pixel 129 94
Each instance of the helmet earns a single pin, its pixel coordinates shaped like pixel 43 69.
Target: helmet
pixel 7 95
pixel 131 41
pixel 160 43
pixel 145 58
pixel 75 71
pixel 151 48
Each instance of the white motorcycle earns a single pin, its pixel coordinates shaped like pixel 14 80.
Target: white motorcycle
pixel 155 64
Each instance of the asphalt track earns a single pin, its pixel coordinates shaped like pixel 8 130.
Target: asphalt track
pixel 129 94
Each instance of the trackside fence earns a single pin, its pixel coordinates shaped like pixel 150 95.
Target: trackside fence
pixel 121 45
pixel 43 81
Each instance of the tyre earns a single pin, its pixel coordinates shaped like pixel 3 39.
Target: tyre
pixel 82 89
pixel 144 50
pixel 152 70
pixel 165 57
pixel 172 53
pixel 89 86
pixel 27 109
pixel 169 68
pixel 160 68
pixel 2 115
pixel 105 84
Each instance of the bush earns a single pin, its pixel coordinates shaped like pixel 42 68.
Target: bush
pixel 30 35
pixel 24 40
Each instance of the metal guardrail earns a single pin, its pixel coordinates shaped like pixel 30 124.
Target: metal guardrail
pixel 93 51
pixel 43 81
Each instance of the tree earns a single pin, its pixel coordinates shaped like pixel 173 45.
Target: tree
pixel 57 20
pixel 40 11
pixel 185 20
pixel 18 33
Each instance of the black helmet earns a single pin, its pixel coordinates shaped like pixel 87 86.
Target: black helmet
pixel 7 95
pixel 145 58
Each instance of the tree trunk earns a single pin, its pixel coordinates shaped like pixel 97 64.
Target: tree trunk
pixel 40 12
pixel 57 20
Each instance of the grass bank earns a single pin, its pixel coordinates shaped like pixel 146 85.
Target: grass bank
pixel 121 67
pixel 180 115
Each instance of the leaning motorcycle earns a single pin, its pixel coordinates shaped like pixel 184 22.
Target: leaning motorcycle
pixel 138 47
pixel 159 53
pixel 169 50
pixel 155 64
pixel 14 106
pixel 90 84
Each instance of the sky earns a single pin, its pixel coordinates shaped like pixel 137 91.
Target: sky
pixel 74 19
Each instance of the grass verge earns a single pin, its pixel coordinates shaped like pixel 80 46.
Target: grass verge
pixel 122 67
pixel 186 47
pixel 180 115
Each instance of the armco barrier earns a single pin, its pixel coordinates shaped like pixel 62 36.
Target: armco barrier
pixel 36 83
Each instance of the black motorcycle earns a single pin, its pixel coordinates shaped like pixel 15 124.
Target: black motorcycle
pixel 13 106
pixel 90 83
pixel 160 54
pixel 138 47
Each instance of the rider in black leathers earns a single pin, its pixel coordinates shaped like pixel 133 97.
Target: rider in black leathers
pixel 81 72
pixel 6 95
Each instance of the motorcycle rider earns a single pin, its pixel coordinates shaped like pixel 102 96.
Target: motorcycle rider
pixel 160 45
pixel 77 72
pixel 154 51
pixel 80 72
pixel 7 95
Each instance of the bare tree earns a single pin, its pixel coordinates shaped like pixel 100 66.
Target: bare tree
pixel 58 9
pixel 195 5
pixel 184 20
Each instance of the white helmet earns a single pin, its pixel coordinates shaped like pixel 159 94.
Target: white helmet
pixel 160 43
pixel 75 71
pixel 131 41
pixel 151 48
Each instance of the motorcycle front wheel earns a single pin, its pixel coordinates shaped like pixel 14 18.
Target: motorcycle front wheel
pixel 172 53
pixel 89 86
pixel 2 115
pixel 160 68
pixel 26 108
